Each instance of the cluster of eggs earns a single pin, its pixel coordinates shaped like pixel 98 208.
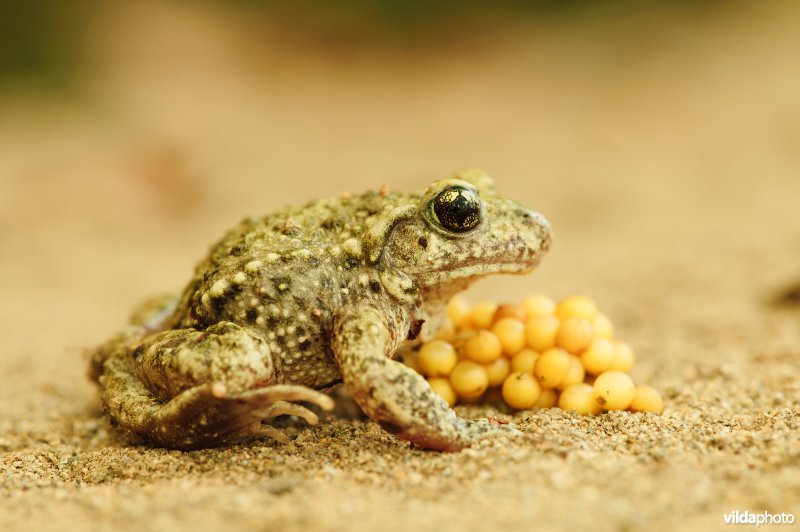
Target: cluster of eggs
pixel 539 354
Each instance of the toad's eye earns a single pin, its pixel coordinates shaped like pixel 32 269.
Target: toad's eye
pixel 457 209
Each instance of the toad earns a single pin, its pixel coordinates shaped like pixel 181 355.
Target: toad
pixel 292 303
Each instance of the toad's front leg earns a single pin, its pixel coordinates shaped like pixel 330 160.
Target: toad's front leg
pixel 394 395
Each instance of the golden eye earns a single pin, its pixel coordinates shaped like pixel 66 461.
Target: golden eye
pixel 457 209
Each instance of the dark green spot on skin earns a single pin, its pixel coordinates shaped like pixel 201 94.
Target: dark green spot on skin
pixel 350 263
pixel 268 297
pixel 333 224
pixel 238 250
pixel 251 315
pixel 375 286
pixel 217 303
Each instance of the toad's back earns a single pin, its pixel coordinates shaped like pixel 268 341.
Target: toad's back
pixel 284 275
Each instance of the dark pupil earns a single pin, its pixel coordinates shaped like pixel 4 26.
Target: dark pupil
pixel 457 209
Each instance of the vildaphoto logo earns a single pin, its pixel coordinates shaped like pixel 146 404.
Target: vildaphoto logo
pixel 762 518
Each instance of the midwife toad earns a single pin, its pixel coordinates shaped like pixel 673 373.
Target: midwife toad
pixel 305 298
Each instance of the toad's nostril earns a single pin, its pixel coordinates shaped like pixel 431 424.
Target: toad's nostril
pixel 527 217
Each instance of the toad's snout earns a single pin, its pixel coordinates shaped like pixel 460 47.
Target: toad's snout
pixel 533 231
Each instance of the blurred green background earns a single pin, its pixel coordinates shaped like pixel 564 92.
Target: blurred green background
pixel 42 41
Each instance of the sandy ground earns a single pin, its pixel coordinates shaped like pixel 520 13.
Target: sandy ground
pixel 664 151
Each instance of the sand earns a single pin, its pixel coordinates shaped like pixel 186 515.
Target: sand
pixel 669 171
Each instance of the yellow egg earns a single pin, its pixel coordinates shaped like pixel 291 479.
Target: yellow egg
pixel 460 340
pixel 578 397
pixel 509 311
pixel 524 360
pixel 575 334
pixel 540 332
pixel 613 390
pixel 623 356
pixel 547 399
pixel 497 371
pixel 511 333
pixel 469 379
pixel 444 389
pixel 483 347
pixel 603 328
pixel 458 311
pixel 575 373
pixel 551 367
pixel 521 391
pixel 598 357
pixel 538 305
pixel 482 313
pixel 646 399
pixel 437 359
pixel 576 307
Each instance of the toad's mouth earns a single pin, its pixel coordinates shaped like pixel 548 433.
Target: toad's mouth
pixel 479 269
pixel 516 256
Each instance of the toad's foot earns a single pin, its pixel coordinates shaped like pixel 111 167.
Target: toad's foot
pixel 206 415
pixel 224 419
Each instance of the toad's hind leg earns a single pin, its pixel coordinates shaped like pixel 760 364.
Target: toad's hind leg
pixel 150 316
pixel 190 389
